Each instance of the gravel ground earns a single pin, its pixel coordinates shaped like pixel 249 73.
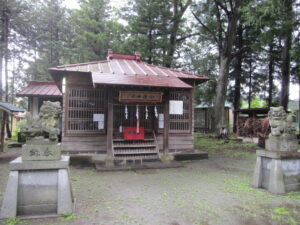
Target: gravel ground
pixel 216 191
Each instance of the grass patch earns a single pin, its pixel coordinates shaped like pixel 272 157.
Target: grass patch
pixel 228 148
pixel 293 195
pixel 67 217
pixel 13 221
pixel 284 215
pixel 235 187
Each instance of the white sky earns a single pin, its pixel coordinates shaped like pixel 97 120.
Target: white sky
pixel 73 4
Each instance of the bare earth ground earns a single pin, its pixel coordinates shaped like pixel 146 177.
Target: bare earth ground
pixel 216 191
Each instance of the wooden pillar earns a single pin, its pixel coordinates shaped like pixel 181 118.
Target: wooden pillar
pixel 4 115
pixel 110 120
pixel 166 157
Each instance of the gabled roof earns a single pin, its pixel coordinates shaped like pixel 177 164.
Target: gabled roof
pixel 40 88
pixel 10 108
pixel 121 69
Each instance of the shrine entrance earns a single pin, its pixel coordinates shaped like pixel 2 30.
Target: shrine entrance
pixel 137 119
pixel 141 117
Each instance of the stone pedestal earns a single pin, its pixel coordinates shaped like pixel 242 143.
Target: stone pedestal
pixel 277 171
pixel 38 188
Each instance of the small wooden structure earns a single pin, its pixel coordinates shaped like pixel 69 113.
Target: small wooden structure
pixel 105 102
pixel 6 110
pixel 250 122
pixel 38 92
pixel 203 117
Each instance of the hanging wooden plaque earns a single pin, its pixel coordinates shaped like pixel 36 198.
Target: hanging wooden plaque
pixel 140 96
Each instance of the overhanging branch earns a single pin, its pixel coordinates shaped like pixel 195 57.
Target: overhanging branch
pixel 206 28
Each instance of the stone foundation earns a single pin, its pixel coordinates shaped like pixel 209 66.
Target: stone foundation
pixel 277 171
pixel 38 188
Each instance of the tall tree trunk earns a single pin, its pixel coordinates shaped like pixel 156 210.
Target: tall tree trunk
pixel 250 82
pixel 6 19
pixel 285 56
pixel 1 66
pixel 225 52
pixel 218 120
pixel 178 12
pixel 150 47
pixel 285 71
pixel 238 75
pixel 271 71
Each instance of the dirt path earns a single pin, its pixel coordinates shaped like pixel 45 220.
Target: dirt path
pixel 216 191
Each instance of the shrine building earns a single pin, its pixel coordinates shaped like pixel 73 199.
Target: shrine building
pixel 126 108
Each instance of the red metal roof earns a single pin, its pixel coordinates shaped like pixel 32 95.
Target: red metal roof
pixel 121 69
pixel 40 88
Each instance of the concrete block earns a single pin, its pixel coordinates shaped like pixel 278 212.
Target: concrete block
pixel 276 182
pixel 37 192
pixel 9 205
pixel 64 197
pixel 257 179
pixel 38 189
pixel 19 164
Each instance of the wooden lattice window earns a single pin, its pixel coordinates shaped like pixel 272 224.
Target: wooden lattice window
pixel 82 104
pixel 181 123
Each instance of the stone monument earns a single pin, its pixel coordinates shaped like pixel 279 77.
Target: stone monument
pixel 38 182
pixel 278 166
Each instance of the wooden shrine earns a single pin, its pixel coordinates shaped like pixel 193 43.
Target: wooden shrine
pixel 126 108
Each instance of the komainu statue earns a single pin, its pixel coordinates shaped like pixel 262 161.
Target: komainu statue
pixel 45 126
pixel 282 137
pixel 277 120
pixel 42 134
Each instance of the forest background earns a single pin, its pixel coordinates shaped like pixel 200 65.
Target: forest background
pixel 249 48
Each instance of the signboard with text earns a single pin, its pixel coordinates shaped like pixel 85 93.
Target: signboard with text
pixel 140 96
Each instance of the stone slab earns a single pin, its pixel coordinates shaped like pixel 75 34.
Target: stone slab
pixel 41 150
pixel 153 165
pixel 36 210
pixel 257 178
pixel 276 180
pixel 9 204
pixel 190 156
pixel 19 164
pixel 278 154
pixel 37 187
pixel 64 196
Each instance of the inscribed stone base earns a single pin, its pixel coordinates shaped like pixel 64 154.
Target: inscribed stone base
pixel 277 172
pixel 282 143
pixel 38 191
pixel 41 149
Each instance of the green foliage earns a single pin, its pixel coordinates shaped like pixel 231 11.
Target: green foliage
pixel 13 221
pixel 17 129
pixel 95 30
pixel 280 211
pixel 157 29
pixel 67 217
pixel 256 102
